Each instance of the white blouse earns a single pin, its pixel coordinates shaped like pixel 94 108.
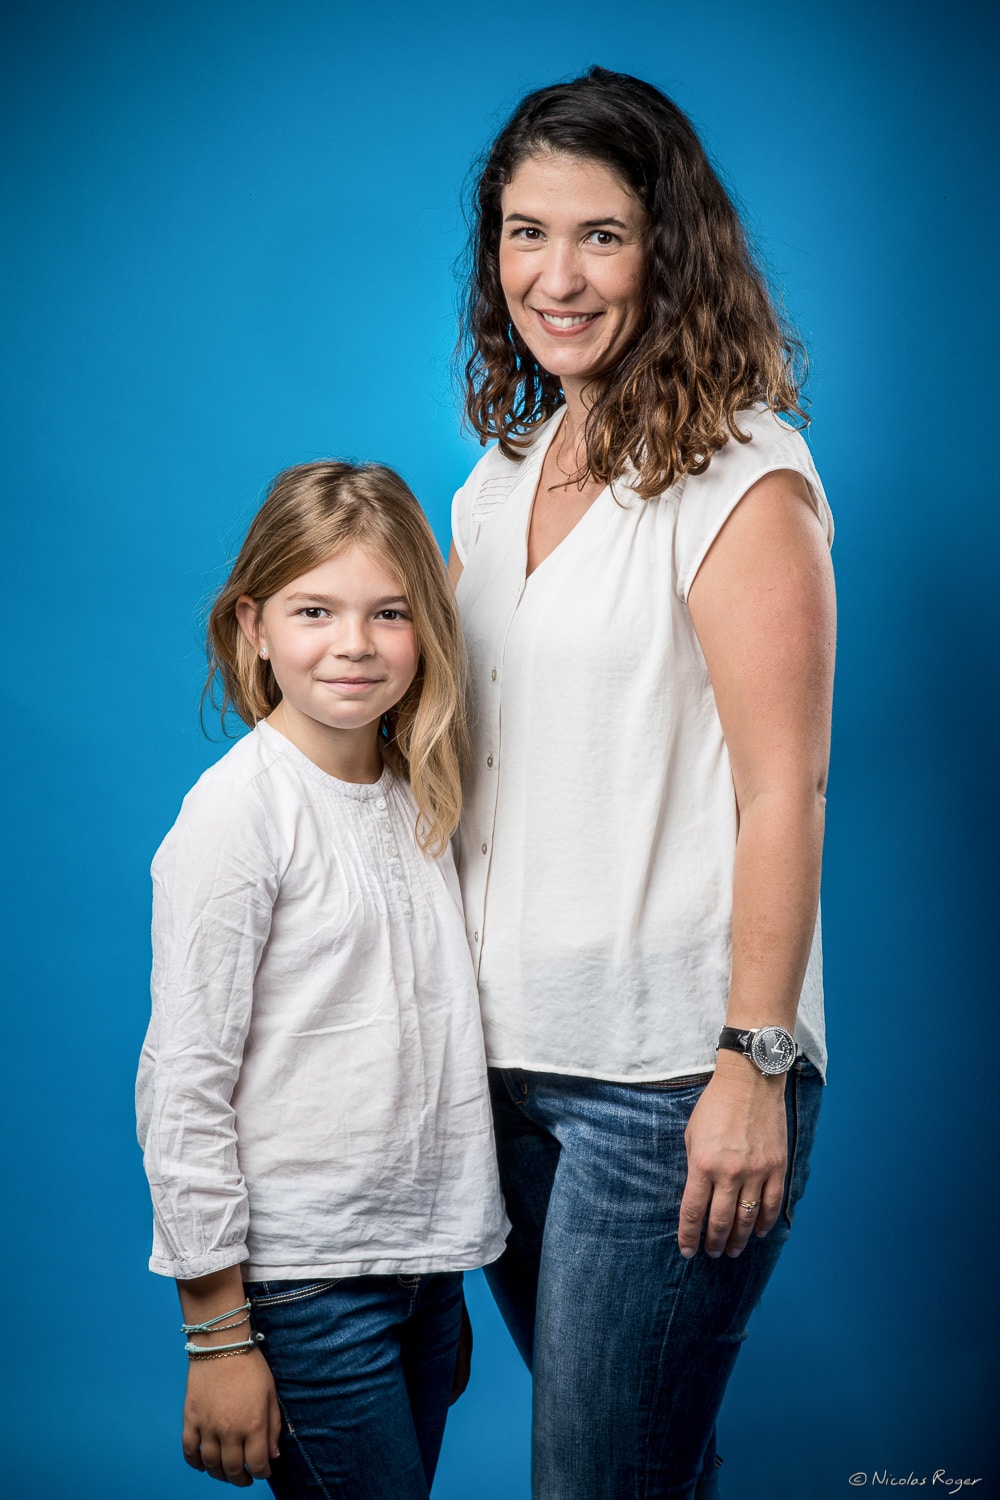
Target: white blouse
pixel 600 821
pixel 311 1095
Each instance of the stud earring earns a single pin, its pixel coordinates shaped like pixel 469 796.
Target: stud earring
pixel 263 653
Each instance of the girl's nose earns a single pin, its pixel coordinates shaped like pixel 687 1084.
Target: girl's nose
pixel 354 639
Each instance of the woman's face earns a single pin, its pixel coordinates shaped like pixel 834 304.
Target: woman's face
pixel 571 265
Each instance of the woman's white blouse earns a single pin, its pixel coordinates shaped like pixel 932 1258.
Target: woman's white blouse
pixel 311 1094
pixel 599 833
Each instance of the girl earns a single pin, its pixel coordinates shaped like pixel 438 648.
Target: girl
pixel 311 1094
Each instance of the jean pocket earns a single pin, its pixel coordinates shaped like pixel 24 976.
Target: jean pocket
pixel 275 1293
pixel 805 1094
pixel 670 1085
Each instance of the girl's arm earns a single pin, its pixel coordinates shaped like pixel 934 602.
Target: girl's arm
pixel 214 887
pixel 763 607
pixel 231 1416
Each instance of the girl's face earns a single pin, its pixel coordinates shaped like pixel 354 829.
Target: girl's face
pixel 571 264
pixel 343 650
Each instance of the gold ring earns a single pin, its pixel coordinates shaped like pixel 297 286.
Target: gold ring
pixel 749 1204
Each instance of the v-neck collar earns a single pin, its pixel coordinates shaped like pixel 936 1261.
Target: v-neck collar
pixel 534 474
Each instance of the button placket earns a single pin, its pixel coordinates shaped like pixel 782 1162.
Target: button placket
pixel 389 851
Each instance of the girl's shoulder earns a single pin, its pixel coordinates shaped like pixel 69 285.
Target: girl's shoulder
pixel 230 803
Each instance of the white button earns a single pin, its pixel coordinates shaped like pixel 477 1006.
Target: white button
pixel 475 937
pixel 484 848
pixel 393 851
pixel 489 760
pixel 397 871
pixel 493 675
pixel 380 804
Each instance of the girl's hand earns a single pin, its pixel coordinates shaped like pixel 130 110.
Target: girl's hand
pixel 737 1151
pixel 231 1418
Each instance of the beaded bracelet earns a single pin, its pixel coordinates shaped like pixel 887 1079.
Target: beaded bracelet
pixel 212 1323
pixel 205 1351
pixel 196 1359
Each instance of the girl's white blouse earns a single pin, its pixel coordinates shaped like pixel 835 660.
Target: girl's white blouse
pixel 600 822
pixel 311 1095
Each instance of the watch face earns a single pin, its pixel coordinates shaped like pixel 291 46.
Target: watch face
pixel 773 1049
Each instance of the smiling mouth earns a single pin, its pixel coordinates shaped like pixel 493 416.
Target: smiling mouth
pixel 567 320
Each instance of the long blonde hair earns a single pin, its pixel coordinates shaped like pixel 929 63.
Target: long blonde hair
pixel 312 512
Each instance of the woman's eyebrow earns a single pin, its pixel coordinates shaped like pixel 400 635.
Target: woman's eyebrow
pixel 584 223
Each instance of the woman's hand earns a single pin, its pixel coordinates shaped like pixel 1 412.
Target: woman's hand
pixel 231 1418
pixel 737 1151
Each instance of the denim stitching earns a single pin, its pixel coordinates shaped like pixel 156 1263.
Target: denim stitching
pixel 665 1085
pixel 276 1299
pixel 303 1451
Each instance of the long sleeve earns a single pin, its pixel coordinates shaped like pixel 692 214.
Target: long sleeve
pixel 214 887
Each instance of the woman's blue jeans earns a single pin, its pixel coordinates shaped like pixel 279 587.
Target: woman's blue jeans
pixel 363 1369
pixel 629 1344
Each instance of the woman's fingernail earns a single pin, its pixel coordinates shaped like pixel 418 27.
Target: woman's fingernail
pixel 687 1253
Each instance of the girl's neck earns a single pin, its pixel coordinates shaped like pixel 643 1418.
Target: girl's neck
pixel 345 754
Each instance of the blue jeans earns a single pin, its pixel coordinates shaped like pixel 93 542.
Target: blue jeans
pixel 630 1345
pixel 363 1368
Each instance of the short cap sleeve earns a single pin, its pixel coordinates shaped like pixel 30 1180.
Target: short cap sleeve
pixel 709 499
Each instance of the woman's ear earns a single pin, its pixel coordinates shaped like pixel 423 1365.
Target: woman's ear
pixel 248 619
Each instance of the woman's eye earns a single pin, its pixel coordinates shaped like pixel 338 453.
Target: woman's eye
pixel 604 237
pixel 526 232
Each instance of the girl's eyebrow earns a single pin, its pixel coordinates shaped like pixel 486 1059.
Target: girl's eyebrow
pixel 327 600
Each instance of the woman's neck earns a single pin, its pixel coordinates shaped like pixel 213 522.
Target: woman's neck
pixel 570 445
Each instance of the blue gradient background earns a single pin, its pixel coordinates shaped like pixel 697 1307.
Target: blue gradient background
pixel 230 237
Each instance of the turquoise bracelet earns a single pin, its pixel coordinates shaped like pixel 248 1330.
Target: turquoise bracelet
pixel 210 1323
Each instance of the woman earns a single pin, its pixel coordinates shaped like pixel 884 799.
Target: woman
pixel 642 565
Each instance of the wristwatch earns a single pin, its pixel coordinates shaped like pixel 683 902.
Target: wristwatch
pixel 771 1049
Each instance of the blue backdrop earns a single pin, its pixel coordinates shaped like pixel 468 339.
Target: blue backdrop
pixel 230 247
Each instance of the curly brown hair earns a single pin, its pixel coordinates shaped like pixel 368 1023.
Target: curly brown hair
pixel 713 343
pixel 312 512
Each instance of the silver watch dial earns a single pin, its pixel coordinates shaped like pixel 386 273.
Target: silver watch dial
pixel 773 1049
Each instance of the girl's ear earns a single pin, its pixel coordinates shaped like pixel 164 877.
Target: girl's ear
pixel 248 621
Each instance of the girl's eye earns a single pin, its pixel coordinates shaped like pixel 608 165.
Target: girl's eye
pixel 392 614
pixel 313 612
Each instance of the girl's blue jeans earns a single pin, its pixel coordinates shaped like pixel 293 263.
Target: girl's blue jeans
pixel 363 1369
pixel 630 1345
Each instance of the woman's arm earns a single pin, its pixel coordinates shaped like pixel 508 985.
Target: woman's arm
pixel 231 1416
pixel 454 566
pixel 763 607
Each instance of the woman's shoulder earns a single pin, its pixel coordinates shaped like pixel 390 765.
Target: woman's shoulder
pixel 709 498
pixel 491 482
pixel 762 437
pixel 763 443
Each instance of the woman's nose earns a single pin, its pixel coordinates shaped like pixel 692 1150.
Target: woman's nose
pixel 561 276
